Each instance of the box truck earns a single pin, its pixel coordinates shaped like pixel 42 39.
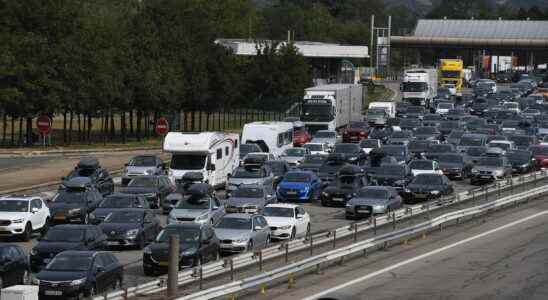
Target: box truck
pixel 420 86
pixel 451 75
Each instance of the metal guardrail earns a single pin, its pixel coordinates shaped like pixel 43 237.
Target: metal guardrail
pixel 247 259
pixel 379 241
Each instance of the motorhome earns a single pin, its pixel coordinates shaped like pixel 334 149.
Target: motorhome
pixel 271 137
pixel 214 154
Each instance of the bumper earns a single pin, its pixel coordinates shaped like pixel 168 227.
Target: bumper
pixel 453 173
pixel 60 218
pixel 121 242
pixel 12 229
pixel 154 266
pixel 60 292
pixel 233 247
pixel 290 196
pixel 364 211
pixel 280 234
pixel 338 200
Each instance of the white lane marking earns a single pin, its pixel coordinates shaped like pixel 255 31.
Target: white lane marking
pixel 416 258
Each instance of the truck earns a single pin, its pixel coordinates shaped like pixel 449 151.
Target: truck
pixel 451 75
pixel 331 106
pixel 420 86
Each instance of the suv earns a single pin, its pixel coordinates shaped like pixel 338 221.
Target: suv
pixel 20 216
pixel 75 201
pixel 89 167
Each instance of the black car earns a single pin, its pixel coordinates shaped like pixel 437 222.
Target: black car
pixel 66 237
pixel 446 127
pixel 279 168
pixel 142 165
pixel 348 181
pixel 436 150
pixel 410 124
pixel 182 186
pixel 415 112
pixel 130 227
pixel 75 201
pixel 154 188
pixel 313 162
pixel 79 274
pixel 427 133
pixel 454 165
pixel 399 152
pixel 331 167
pixel 352 153
pixel 89 167
pixel 394 175
pixel 117 202
pixel 522 161
pixel 14 266
pixel 427 187
pixel 523 142
pixel 417 149
pixel 198 244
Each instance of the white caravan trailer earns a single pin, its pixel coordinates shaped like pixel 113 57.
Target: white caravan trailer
pixel 214 154
pixel 272 137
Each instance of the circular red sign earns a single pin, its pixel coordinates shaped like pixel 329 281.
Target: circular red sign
pixel 162 126
pixel 43 123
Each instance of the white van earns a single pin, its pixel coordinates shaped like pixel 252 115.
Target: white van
pixel 389 107
pixel 272 137
pixel 215 154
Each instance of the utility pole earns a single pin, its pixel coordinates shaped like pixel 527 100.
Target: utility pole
pixel 173 265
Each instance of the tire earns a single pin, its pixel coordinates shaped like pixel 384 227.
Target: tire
pixel 45 228
pixel 27 234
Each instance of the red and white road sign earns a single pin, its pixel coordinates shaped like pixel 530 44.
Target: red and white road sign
pixel 43 123
pixel 162 126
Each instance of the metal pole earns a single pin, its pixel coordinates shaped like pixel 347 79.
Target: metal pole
pixel 311 244
pixel 374 225
pixel 201 277
pixel 334 238
pixel 394 221
pixel 261 260
pixel 173 265
pixel 355 232
pixel 286 245
pixel 371 44
pixel 231 270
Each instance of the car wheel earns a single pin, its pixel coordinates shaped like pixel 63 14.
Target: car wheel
pixel 27 234
pixel 26 278
pixel 45 228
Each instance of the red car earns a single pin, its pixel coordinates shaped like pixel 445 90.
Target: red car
pixel 540 153
pixel 355 132
pixel 301 137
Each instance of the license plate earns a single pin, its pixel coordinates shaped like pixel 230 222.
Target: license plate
pixel 364 211
pixel 420 195
pixel 60 217
pixel 485 176
pixel 292 193
pixel 337 199
pixel 163 263
pixel 53 293
pixel 113 243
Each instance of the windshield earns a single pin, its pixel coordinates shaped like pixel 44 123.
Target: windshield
pixel 421 165
pixel 400 134
pixel 410 122
pixel 456 134
pixel 520 140
pixel 186 235
pixel 143 161
pixel 325 134
pixel 418 145
pixel 73 197
pixel 119 202
pixel 373 193
pixel 297 177
pixel 503 146
pixel 471 141
pixel 194 202
pixel 440 148
pixel 187 162
pixel 284 212
pixel 428 179
pixel 450 159
pixel 243 172
pixel 490 162
pixel 14 205
pixel 278 167
pixel 449 125
pixel 450 74
pixel 64 235
pixel 141 181
pixel 346 148
pixel 320 111
pixel 415 109
pixel 376 111
pixel 518 156
pixel 235 223
pixel 414 86
pixel 294 152
pixel 391 170
pixel 69 263
pixel 124 217
pixel 246 192
pixel 313 147
pixel 476 151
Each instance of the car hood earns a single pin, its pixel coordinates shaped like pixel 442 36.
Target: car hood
pixel 103 212
pixel 236 201
pixel 187 213
pixel 13 215
pixel 61 275
pixel 232 234
pixel 279 221
pixel 62 207
pixel 118 228
pixel 140 170
pixel 163 248
pixel 367 201
pixel 138 190
pixel 56 247
pixel 423 187
pixel 238 181
pixel 293 185
pixel 451 165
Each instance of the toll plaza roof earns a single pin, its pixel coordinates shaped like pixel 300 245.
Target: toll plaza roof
pixel 307 49
pixel 478 34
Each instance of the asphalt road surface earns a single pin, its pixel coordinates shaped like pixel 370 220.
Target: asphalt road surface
pixel 501 256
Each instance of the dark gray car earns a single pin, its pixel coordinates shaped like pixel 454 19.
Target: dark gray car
pixel 373 200
pixel 249 199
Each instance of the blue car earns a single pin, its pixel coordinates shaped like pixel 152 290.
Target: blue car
pixel 299 186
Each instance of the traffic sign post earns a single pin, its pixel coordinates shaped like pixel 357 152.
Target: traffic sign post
pixel 43 123
pixel 162 127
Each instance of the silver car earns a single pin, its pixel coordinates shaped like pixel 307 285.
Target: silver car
pixel 198 206
pixel 143 165
pixel 242 232
pixel 294 156
pixel 329 137
pixel 256 175
pixel 372 200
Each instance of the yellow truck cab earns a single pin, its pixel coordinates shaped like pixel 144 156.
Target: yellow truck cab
pixel 451 75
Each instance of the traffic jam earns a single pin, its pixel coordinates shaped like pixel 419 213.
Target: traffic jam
pixel 225 193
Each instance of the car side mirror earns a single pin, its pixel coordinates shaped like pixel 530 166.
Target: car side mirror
pixel 257 228
pixel 100 269
pixel 34 210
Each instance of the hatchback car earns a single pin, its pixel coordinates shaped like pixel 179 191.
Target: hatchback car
pixel 454 166
pixel 14 266
pixel 66 237
pixel 248 148
pixel 312 163
pixel 200 205
pixel 130 228
pixel 75 201
pixel 352 153
pixel 117 202
pixel 394 175
pixel 242 232
pixel 143 165
pixel 249 199
pixel 522 161
pixel 154 188
pixel 21 216
pixel 198 245
pixel 79 274
pixel 258 175
pixel 299 186
pixel 287 221
pixel 372 200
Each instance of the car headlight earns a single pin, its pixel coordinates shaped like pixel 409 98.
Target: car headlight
pixel 378 207
pixel 132 232
pixel 189 252
pixel 353 158
pixel 202 218
pixel 147 250
pixel 524 166
pixel 325 194
pixel 285 227
pixel 407 190
pixel 435 192
pixel 241 240
pixel 474 171
pixel 92 216
pixel 78 281
pixel 74 211
pixel 34 280
pixel 18 221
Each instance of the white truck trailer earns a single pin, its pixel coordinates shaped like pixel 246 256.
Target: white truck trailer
pixel 420 86
pixel 331 106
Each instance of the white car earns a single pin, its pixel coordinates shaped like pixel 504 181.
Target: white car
pixel 317 148
pixel 21 216
pixel 444 107
pixel 287 221
pixel 424 166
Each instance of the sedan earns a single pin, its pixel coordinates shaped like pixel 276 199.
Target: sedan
pixel 522 161
pixel 242 232
pixel 373 200
pixel 130 227
pixel 117 202
pixel 14 266
pixel 454 165
pixel 79 274
pixel 249 199
pixel 287 221
pixel 294 156
pixel 198 206
pixel 299 186
pixel 427 187
pixel 154 188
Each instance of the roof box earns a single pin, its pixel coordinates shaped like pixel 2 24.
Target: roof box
pixel 88 163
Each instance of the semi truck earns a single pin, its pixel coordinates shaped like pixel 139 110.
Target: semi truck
pixel 420 86
pixel 451 75
pixel 331 106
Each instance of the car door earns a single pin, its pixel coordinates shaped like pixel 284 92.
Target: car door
pixel 37 214
pixel 99 271
pixel 258 232
pixel 149 226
